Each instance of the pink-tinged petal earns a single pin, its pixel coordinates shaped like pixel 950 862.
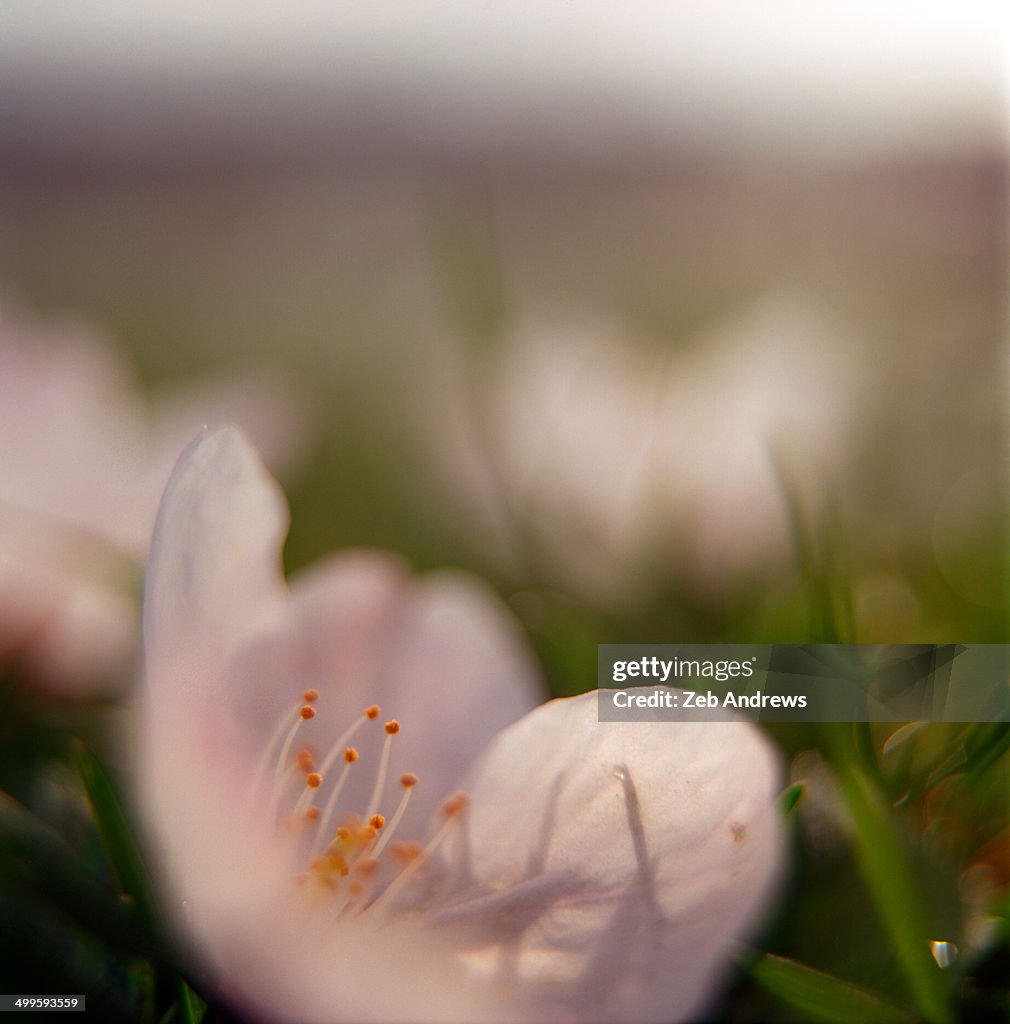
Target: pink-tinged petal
pixel 461 672
pixel 68 620
pixel 611 865
pixel 214 580
pixel 263 404
pixel 84 460
pixel 283 969
pixel 74 431
pixel 72 634
pixel 442 655
pixel 213 592
pixel 82 446
pixel 345 608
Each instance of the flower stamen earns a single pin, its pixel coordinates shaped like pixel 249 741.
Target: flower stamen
pixel 392 728
pixel 278 734
pixel 312 782
pixel 346 867
pixel 306 713
pixel 371 713
pixel 452 810
pixel 408 781
pixel 350 756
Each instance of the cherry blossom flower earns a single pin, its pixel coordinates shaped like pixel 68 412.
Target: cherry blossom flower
pixel 83 462
pixel 614 469
pixel 359 812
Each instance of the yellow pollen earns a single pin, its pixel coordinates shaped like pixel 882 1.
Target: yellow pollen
pixel 392 727
pixel 408 779
pixel 366 867
pixel 313 780
pixel 351 755
pixel 372 711
pixel 455 805
pixel 406 852
pixel 307 712
pixel 330 864
pixel 377 821
pixel 310 696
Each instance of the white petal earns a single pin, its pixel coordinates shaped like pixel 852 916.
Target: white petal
pixel 263 404
pixel 612 864
pixel 462 673
pixel 222 633
pixel 72 443
pixel 67 615
pixel 214 580
pixel 279 969
pixel 214 591
pixel 441 654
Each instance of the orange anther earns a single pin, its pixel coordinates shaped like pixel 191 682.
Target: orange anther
pixel 307 712
pixel 392 727
pixel 366 867
pixel 408 780
pixel 377 821
pixel 350 755
pixel 305 761
pixel 367 834
pixel 312 814
pixel 310 696
pixel 406 852
pixel 343 832
pixel 372 711
pixel 329 864
pixel 455 805
pixel 313 780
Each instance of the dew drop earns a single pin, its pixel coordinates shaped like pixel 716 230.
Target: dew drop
pixel 944 953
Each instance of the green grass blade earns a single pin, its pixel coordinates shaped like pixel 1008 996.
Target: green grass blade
pixel 34 858
pixel 116 834
pixel 822 573
pixel 790 798
pixel 193 1007
pixel 885 866
pixel 987 743
pixel 823 998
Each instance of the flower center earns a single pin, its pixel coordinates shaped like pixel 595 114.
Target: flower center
pixel 346 866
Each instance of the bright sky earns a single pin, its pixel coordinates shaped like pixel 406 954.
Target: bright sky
pixel 834 74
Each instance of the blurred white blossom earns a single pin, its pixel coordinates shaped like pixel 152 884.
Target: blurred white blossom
pixel 326 868
pixel 84 458
pixel 611 467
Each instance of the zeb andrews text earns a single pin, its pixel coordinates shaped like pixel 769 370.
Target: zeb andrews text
pixel 690 699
